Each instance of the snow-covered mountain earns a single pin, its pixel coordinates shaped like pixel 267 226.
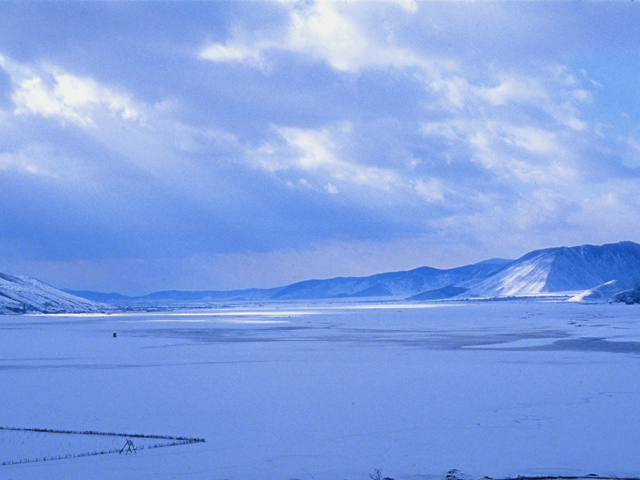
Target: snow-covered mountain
pixel 585 273
pixel 598 271
pixel 394 284
pixel 563 269
pixel 28 295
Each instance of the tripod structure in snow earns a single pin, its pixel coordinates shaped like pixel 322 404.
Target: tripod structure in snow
pixel 128 447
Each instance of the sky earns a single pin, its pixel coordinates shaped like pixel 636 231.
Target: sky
pixel 202 145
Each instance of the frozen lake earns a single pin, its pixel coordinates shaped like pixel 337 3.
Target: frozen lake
pixel 331 392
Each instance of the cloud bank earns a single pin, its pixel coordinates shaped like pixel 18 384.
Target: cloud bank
pixel 232 145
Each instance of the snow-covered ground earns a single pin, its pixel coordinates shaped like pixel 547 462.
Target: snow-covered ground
pixel 333 392
pixel 33 445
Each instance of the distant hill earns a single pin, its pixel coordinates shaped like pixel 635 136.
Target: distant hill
pixel 392 285
pixel 582 273
pixel 395 284
pixel 28 295
pixel 177 298
pixel 548 271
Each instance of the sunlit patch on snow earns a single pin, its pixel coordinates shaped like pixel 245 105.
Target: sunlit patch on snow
pixel 522 343
pixel 73 315
pixel 390 306
pixel 241 321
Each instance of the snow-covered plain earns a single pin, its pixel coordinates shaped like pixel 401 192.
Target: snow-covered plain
pixel 331 392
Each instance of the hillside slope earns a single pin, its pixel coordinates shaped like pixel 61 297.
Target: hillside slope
pixel 562 269
pixel 28 295
pixel 394 284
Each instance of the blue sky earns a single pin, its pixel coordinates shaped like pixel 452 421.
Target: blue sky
pixel 222 145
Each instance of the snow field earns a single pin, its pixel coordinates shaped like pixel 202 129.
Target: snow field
pixel 314 392
pixel 29 445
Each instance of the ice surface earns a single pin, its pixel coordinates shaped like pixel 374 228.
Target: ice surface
pixel 332 392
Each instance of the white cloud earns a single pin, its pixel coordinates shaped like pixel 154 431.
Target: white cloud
pixel 532 219
pixel 217 52
pixel 145 139
pixel 609 212
pixel 523 127
pixel 23 163
pixel 543 210
pixel 316 148
pixel 511 152
pixel 324 31
pixel 39 161
pixel 454 90
pixel 558 98
pixel 331 188
pixel 410 6
pixel 336 34
pixel 513 88
pixel 432 190
pixel 33 96
pixel 315 155
pixel 447 130
pixel 52 93
pixel 632 157
pixel 317 158
pixel 531 139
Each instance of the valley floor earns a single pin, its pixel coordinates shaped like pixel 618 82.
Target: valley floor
pixel 332 392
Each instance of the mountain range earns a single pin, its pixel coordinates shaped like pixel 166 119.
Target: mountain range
pixel 582 273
